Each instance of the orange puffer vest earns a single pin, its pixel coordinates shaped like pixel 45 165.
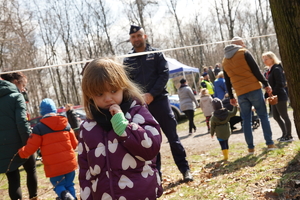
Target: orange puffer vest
pixel 240 74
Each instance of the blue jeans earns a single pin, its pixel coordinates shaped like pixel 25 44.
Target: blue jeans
pixel 64 182
pixel 246 101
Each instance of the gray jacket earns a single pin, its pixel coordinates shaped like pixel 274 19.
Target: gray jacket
pixel 187 98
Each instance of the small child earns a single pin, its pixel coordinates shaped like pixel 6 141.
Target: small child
pixel 206 106
pixel 220 124
pixel 119 140
pixel 54 136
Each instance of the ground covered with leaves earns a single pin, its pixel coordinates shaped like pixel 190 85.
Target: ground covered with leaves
pixel 264 175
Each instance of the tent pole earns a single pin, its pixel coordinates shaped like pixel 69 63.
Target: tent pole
pixel 196 88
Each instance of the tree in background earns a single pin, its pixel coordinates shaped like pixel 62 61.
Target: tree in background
pixel 286 18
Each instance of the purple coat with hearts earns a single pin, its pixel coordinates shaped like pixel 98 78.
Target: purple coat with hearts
pixel 122 167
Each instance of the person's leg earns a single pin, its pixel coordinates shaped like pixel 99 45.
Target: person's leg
pixel 70 184
pixel 283 112
pixel 29 167
pixel 190 116
pixel 14 186
pixel 234 120
pixel 224 148
pixel 207 118
pixel 158 165
pixel 245 110
pixel 59 183
pixel 276 116
pixel 187 114
pixel 257 100
pixel 222 144
pixel 161 110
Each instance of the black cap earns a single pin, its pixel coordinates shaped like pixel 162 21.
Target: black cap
pixel 134 29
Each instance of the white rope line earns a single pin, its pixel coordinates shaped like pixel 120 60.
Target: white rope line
pixel 130 55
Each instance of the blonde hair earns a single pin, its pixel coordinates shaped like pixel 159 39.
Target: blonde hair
pixel 220 74
pixel 102 74
pixel 272 55
pixel 204 92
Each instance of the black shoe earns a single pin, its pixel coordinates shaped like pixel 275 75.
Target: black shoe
pixel 281 138
pixel 286 139
pixel 66 195
pixel 187 176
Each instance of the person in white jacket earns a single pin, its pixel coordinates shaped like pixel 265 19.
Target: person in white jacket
pixel 206 106
pixel 188 103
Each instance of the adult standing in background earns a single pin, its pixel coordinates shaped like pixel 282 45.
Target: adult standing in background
pixel 188 103
pixel 211 74
pixel 276 78
pixel 72 118
pixel 242 73
pixel 220 86
pixel 151 72
pixel 217 69
pixel 14 132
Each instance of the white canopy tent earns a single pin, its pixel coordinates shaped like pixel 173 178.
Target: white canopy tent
pixel 178 69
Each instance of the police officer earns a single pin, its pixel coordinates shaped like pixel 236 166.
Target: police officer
pixel 152 73
pixel 205 83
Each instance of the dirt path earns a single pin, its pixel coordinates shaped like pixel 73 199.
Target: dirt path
pixel 201 141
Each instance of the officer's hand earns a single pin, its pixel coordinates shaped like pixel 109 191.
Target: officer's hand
pixel 148 98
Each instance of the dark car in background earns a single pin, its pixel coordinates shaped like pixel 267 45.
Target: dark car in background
pixel 34 121
pixel 78 110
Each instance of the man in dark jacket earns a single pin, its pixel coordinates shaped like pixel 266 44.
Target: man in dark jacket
pixel 152 73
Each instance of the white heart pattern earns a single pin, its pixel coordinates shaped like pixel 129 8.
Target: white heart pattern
pixel 80 148
pixel 88 175
pixel 96 170
pixel 147 142
pixel 112 146
pixel 139 119
pixel 80 134
pixel 125 182
pixel 140 158
pixel 153 130
pixel 158 179
pixel 133 104
pixel 94 185
pixel 128 161
pixel 100 150
pixel 89 125
pixel 134 126
pixel 147 171
pixel 86 147
pixel 122 198
pixel 106 196
pixel 128 115
pixel 84 194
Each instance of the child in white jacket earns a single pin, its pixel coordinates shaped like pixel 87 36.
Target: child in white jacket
pixel 206 106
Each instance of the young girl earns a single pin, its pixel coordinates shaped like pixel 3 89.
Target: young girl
pixel 120 139
pixel 220 124
pixel 206 106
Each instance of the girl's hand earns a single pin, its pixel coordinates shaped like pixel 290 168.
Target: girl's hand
pixel 114 109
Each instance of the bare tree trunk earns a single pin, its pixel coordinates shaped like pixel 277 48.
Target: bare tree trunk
pixel 286 19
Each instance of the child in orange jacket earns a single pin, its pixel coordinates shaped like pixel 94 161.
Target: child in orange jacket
pixel 57 141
